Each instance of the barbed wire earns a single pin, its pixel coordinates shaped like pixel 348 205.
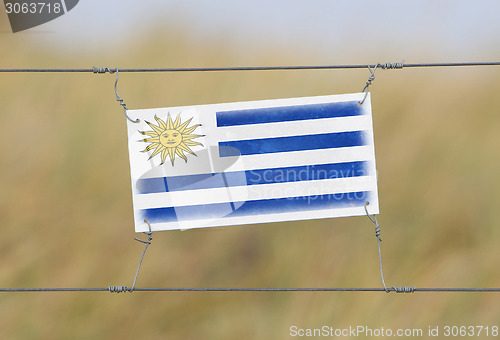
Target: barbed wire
pixel 398 65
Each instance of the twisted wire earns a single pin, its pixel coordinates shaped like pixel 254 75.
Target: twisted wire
pixel 404 289
pixel 392 66
pixel 368 83
pixel 118 99
pixel 377 234
pixel 102 70
pixel 147 242
pixel 379 239
pixel 117 289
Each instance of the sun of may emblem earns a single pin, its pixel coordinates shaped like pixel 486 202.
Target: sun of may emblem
pixel 171 138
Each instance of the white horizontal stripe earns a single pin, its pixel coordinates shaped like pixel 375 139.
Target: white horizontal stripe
pixel 295 128
pixel 148 114
pixel 255 192
pixel 274 160
pixel 268 218
pixel 305 157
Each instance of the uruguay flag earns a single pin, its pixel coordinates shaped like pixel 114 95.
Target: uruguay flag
pixel 252 162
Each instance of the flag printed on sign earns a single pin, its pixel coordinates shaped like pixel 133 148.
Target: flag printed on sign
pixel 252 162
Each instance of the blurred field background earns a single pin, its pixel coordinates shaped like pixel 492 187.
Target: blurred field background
pixel 66 208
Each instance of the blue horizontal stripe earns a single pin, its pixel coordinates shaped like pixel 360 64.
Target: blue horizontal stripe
pixel 288 113
pixel 253 177
pixel 259 207
pixel 292 143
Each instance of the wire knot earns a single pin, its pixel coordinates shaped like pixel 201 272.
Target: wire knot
pixel 118 289
pixel 368 82
pixel 148 241
pixel 370 79
pixel 103 70
pixel 147 233
pixel 402 289
pixel 378 232
pixel 392 66
pixel 119 100
pixel 374 221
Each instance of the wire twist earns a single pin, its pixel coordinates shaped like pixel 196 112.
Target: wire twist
pixel 122 289
pixel 371 78
pixel 147 242
pixel 118 99
pixel 368 83
pixel 404 289
pixel 117 289
pixel 379 239
pixel 377 234
pixel 102 70
pixel 374 220
pixel 392 66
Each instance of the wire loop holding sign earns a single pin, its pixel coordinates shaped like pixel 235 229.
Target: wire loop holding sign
pixel 147 242
pixel 385 66
pixel 118 98
pixel 377 234
pixel 122 289
pixel 368 83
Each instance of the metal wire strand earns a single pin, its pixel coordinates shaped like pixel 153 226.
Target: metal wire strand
pixel 118 99
pixel 102 70
pixel 120 289
pixel 147 242
pixel 392 66
pixel 368 83
pixel 251 68
pixel 377 234
pixel 117 289
pixel 371 67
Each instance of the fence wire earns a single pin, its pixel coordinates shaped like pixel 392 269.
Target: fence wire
pixel 397 65
pixel 124 289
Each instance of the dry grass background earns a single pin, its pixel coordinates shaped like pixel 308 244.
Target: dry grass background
pixel 66 210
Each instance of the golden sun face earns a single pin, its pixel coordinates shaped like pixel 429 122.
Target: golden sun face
pixel 170 138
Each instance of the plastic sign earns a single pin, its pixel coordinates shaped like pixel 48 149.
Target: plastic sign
pixel 252 162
